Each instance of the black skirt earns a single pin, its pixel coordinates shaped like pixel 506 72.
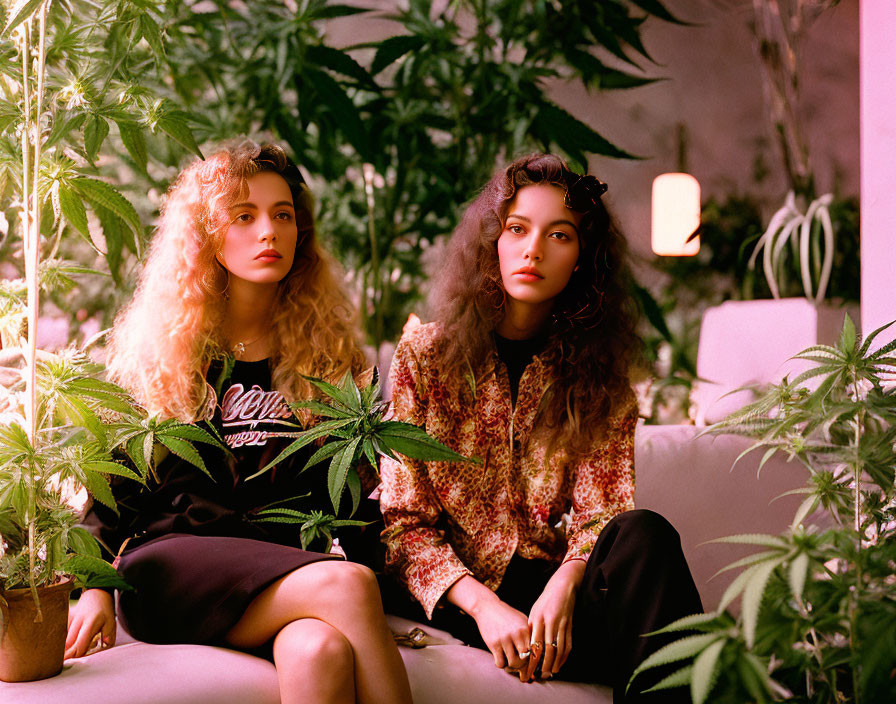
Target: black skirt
pixel 194 589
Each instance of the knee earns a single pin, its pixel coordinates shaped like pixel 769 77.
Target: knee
pixel 352 579
pixel 312 645
pixel 649 527
pixel 348 583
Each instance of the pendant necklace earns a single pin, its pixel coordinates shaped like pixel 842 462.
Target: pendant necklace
pixel 239 349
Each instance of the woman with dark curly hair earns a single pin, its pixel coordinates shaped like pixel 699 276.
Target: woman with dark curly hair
pixel 537 553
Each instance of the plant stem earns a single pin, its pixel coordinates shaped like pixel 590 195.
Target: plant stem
pixel 30 255
pixel 31 236
pixel 39 616
pixel 38 107
pixel 30 251
pixel 369 173
pixel 857 479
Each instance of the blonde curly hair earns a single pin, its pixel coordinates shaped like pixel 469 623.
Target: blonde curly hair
pixel 164 340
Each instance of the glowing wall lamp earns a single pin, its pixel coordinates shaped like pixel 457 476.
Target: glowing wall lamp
pixel 675 215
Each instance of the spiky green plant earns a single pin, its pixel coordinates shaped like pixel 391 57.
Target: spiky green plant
pixel 817 621
pixel 84 427
pixel 313 525
pixel 72 93
pixel 356 430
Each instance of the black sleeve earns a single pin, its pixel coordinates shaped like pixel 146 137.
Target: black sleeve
pixel 112 529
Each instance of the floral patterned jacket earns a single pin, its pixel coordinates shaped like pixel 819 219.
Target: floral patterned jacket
pixel 448 519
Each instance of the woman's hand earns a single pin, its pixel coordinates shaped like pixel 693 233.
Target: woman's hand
pixel 506 633
pixel 504 630
pixel 92 616
pixel 550 620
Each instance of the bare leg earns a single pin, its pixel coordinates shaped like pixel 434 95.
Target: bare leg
pixel 314 664
pixel 345 596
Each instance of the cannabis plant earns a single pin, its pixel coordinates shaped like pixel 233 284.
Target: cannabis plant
pixel 817 619
pixel 72 97
pixel 85 428
pixel 356 430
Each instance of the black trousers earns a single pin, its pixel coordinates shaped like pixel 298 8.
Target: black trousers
pixel 636 581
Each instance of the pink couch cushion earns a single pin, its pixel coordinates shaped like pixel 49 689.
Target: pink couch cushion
pixel 140 673
pixel 452 673
pixel 692 482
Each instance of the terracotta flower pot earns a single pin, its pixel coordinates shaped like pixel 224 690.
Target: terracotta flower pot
pixel 29 650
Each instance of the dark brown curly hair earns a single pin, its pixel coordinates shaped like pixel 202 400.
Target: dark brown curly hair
pixel 592 340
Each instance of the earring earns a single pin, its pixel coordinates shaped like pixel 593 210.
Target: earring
pixel 208 283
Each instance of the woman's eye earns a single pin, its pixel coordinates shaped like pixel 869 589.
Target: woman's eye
pixel 284 216
pixel 243 217
pixel 559 235
pixel 515 229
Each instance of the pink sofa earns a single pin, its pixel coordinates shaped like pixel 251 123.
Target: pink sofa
pixel 687 479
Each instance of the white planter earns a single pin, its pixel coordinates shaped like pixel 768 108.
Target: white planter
pixel 752 342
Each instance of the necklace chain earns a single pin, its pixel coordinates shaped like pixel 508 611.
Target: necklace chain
pixel 239 349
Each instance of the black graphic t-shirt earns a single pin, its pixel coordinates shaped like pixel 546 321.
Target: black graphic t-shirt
pixel 250 417
pixel 249 413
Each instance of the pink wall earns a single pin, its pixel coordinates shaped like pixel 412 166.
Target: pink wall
pixel 714 89
pixel 878 56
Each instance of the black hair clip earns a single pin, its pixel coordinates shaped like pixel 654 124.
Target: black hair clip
pixel 291 172
pixel 584 194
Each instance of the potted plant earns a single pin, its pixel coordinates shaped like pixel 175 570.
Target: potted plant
pixel 80 421
pixel 66 75
pixel 817 619
pixel 809 248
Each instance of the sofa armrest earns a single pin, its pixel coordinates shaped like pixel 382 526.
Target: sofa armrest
pixel 691 481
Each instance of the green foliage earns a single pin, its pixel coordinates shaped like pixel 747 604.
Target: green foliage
pixel 99 58
pixel 313 526
pixel 721 271
pixel 85 425
pixel 71 71
pixel 356 431
pixel 141 434
pixel 818 603
pixel 403 130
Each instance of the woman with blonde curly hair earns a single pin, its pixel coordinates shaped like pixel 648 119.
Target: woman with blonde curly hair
pixel 537 555
pixel 236 302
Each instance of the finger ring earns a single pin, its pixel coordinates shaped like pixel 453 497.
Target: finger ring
pixel 537 645
pixel 525 654
pixel 553 644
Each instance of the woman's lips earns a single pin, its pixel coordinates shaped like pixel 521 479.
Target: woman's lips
pixel 527 274
pixel 268 256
